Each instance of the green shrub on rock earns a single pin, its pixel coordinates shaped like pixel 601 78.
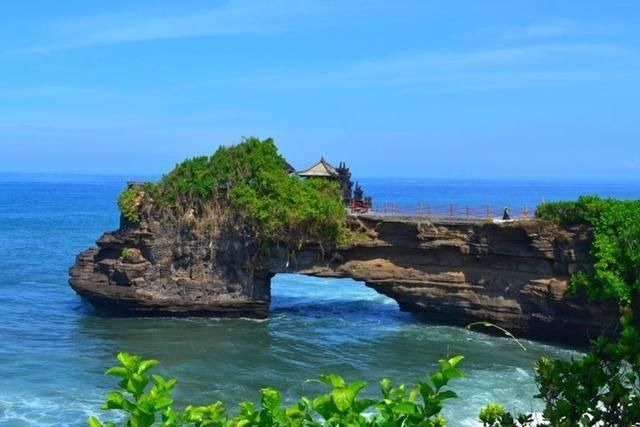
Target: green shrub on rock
pixel 585 210
pixel 252 186
pixel 603 387
pixel 616 245
pixel 128 202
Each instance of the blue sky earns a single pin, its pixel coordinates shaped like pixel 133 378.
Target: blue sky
pixel 448 89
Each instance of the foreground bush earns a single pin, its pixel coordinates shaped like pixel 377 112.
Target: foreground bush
pixel 146 401
pixel 601 388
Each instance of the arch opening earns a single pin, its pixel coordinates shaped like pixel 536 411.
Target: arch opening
pixel 294 293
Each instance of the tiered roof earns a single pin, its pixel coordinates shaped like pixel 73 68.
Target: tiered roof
pixel 320 169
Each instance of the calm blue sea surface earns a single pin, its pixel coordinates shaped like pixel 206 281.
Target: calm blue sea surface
pixel 54 348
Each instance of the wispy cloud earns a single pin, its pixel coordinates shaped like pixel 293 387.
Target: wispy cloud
pixel 526 65
pixel 99 123
pixel 231 17
pixel 508 56
pixel 632 164
pixel 550 29
pixel 41 92
pixel 479 69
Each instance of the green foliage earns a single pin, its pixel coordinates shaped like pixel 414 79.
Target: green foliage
pixel 494 415
pixel 291 210
pixel 145 400
pixel 140 402
pixel 251 181
pixel 616 245
pixel 603 387
pixel 600 389
pixel 351 237
pixel 585 210
pixel 401 408
pixel 128 202
pixel 126 252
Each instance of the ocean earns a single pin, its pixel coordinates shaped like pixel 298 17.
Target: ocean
pixel 54 348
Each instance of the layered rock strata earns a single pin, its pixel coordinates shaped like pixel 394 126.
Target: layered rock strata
pixel 454 272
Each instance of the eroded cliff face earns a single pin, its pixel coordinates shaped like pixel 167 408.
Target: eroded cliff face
pixel 514 274
pixel 168 267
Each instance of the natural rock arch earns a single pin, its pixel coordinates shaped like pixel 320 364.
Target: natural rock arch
pixel 454 272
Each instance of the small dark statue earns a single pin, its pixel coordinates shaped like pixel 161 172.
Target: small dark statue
pixel 344 178
pixel 358 193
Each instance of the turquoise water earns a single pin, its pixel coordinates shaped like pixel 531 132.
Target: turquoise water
pixel 54 348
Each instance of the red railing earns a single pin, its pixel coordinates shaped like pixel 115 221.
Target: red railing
pixel 445 211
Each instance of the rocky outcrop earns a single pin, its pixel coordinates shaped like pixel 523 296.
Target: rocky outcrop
pixel 454 272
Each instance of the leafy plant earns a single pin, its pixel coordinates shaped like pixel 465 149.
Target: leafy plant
pixel 494 415
pixel 126 252
pixel 399 409
pixel 616 245
pixel 582 211
pixel 145 400
pixel 140 403
pixel 252 184
pixel 128 202
pixel 602 388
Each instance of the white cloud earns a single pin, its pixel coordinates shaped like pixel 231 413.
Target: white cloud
pixel 632 164
pixel 492 68
pixel 549 64
pixel 551 29
pixel 554 29
pixel 510 56
pixel 59 92
pixel 232 17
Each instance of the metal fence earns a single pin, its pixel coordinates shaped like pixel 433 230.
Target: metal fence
pixel 448 211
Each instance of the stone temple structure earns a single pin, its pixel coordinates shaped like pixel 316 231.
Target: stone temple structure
pixel 341 174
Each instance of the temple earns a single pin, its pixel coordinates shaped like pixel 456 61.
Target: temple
pixel 322 169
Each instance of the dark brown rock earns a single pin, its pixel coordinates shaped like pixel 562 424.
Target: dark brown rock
pixel 514 274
